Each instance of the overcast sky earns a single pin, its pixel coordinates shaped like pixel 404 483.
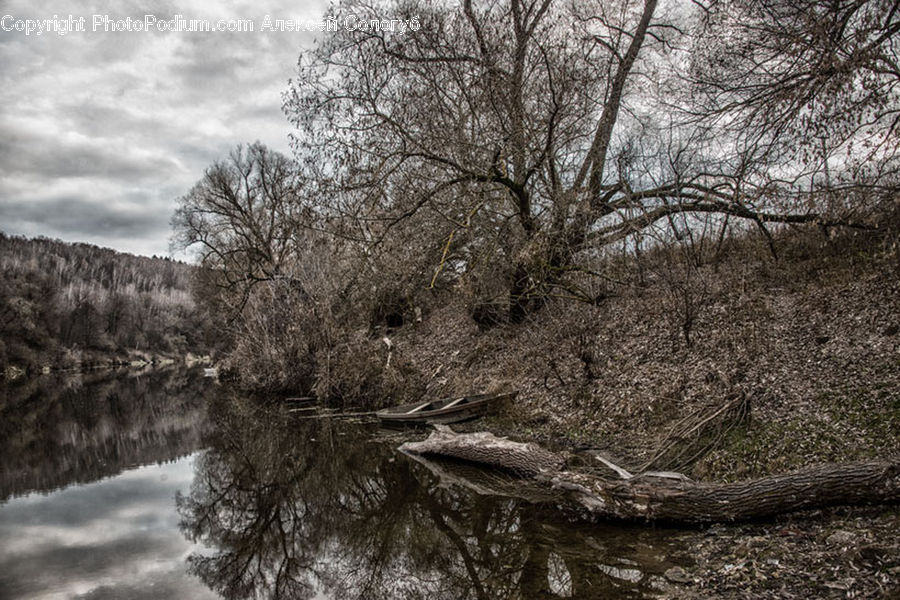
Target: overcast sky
pixel 100 132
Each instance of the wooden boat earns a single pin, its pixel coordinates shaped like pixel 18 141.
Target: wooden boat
pixel 448 410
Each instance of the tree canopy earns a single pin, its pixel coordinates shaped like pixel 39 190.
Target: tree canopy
pixel 507 149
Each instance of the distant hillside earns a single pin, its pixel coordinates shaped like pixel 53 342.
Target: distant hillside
pixel 70 305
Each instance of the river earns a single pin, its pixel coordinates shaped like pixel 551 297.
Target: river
pixel 162 484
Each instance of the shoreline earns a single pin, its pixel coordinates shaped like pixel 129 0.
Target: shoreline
pixel 14 373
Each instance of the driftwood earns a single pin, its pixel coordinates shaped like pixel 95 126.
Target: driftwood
pixel 528 460
pixel 661 497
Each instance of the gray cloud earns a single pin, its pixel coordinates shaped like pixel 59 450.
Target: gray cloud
pixel 37 152
pixel 101 132
pixel 138 217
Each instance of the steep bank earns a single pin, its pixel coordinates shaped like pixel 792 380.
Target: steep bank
pixel 790 363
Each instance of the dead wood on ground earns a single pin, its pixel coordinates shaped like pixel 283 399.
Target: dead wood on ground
pixel 646 496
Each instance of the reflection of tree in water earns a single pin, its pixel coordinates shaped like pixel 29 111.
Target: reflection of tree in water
pixel 291 508
pixel 56 430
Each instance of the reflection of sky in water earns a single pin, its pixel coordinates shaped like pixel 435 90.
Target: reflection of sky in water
pixel 116 538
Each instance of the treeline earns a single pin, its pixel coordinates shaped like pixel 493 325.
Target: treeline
pixel 74 305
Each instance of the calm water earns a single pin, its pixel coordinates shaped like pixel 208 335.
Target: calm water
pixel 161 486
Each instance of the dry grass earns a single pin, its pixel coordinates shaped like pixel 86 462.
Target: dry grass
pixel 810 341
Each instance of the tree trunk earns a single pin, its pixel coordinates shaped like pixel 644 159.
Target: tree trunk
pixel 652 498
pixel 518 294
pixel 528 460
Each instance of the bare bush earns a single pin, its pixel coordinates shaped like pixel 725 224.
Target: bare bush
pixel 360 371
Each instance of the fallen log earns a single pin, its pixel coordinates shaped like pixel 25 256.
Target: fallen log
pixel 649 498
pixel 487 449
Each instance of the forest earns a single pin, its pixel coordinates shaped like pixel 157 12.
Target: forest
pixel 68 305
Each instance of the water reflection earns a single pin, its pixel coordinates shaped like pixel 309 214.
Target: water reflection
pixel 89 468
pixel 274 507
pixel 116 538
pixel 65 429
pixel 317 508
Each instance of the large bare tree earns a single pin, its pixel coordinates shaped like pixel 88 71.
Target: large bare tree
pixel 808 79
pixel 513 134
pixel 266 273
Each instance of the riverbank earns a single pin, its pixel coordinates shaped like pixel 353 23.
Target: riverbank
pixel 78 306
pixel 791 363
pixel 830 552
pixel 88 361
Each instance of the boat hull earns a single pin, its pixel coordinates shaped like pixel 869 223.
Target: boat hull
pixel 450 410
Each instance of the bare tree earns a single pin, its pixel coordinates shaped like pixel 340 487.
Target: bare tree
pixel 498 128
pixel 816 85
pixel 243 219
pixel 282 290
